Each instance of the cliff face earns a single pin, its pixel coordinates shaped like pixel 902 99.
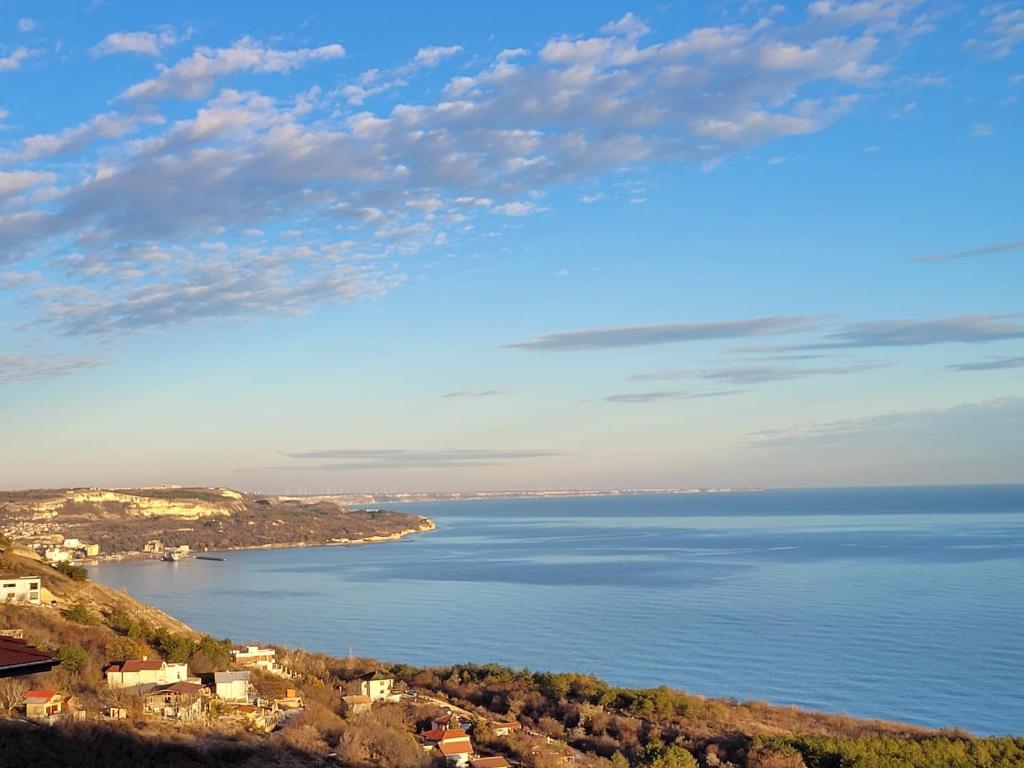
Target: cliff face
pixel 185 503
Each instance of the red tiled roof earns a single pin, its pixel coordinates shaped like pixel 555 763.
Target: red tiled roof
pixel 19 658
pixel 444 734
pixel 41 695
pixel 138 665
pixel 513 725
pixel 490 762
pixel 449 748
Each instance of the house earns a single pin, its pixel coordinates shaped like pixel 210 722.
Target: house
pixel 232 686
pixel 448 719
pixel 176 701
pixel 19 658
pixel 489 762
pixel 377 686
pixel 23 589
pixel 258 658
pixel 257 718
pixel 154 545
pixel 505 729
pixel 442 735
pixel 356 704
pixel 46 706
pixel 456 753
pixel 291 700
pixel 135 672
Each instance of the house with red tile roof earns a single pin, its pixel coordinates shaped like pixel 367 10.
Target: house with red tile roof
pixel 175 701
pixel 504 729
pixel 456 753
pixel 46 706
pixel 496 761
pixel 19 658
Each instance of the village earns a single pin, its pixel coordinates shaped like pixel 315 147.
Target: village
pixel 170 694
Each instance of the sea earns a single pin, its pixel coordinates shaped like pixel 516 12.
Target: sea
pixel 898 603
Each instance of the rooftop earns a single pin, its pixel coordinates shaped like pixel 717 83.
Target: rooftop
pixel 19 658
pixel 231 677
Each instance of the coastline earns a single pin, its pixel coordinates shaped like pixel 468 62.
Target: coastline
pixel 427 525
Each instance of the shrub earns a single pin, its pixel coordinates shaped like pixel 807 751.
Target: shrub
pixel 80 614
pixel 73 572
pixel 72 657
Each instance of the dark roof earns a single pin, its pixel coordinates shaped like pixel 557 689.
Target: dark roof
pixel 377 675
pixel 19 658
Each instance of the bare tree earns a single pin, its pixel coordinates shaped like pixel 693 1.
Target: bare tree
pixel 12 693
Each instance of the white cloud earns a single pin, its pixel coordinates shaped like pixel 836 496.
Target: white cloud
pixel 12 182
pixel 1004 29
pixel 14 59
pixel 145 43
pixel 26 24
pixel 981 130
pixel 195 76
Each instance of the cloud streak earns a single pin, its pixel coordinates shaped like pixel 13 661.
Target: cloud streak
pixel 664 396
pixel 21 368
pixel 994 363
pixel 985 250
pixel 960 329
pixel 753 374
pixel 676 333
pixel 345 459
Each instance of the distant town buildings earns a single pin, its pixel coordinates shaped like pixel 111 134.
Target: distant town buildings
pixel 259 658
pixel 22 589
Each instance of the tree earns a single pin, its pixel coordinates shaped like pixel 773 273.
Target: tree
pixel 123 648
pixel 657 754
pixel 12 693
pixel 72 657
pixel 73 572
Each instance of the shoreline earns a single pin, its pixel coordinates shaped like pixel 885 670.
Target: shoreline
pixel 427 525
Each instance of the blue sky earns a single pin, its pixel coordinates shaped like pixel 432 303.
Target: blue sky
pixel 336 246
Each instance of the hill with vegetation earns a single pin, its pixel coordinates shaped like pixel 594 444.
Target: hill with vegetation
pixel 563 719
pixel 124 520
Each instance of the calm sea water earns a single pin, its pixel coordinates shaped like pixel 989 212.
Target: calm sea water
pixel 897 603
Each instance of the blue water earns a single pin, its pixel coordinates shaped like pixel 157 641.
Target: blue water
pixel 897 603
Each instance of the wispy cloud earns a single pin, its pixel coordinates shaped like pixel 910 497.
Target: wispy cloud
pixel 343 459
pixel 1004 29
pixel 962 329
pixel 195 76
pixel 21 368
pixel 983 250
pixel 474 393
pixel 665 395
pixel 644 335
pixel 955 423
pixel 752 374
pixel 993 363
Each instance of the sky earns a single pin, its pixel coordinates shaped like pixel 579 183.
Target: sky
pixel 333 247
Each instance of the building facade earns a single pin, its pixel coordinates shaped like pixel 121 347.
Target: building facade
pixel 23 589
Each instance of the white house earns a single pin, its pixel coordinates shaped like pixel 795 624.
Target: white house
pixel 232 686
pixel 377 686
pixel 144 671
pixel 258 658
pixel 23 589
pixel 456 753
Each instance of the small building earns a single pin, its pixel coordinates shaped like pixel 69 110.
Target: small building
pixel 57 555
pixel 136 672
pixel 356 704
pixel 505 729
pixel 232 686
pixel 46 706
pixel 177 701
pixel 496 761
pixel 23 589
pixel 456 753
pixel 451 736
pixel 291 700
pixel 154 546
pixel 378 686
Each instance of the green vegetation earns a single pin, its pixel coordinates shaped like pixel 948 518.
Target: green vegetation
pixel 72 657
pixel 874 751
pixel 73 572
pixel 80 614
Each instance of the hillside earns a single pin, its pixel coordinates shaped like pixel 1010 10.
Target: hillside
pixel 561 719
pixel 124 520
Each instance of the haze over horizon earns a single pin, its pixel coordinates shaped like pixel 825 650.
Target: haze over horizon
pixel 614 245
